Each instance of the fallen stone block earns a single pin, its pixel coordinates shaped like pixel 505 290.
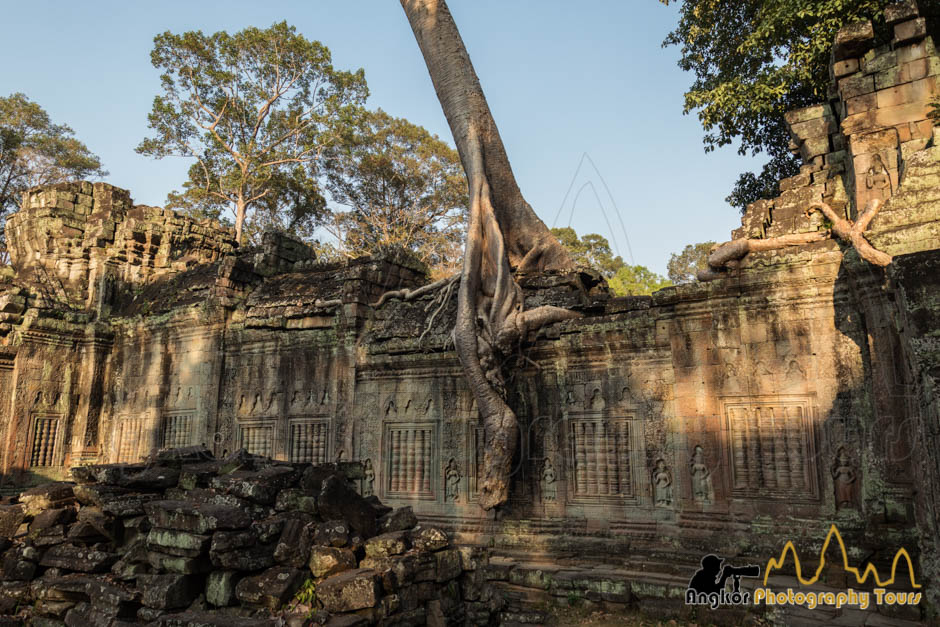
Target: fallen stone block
pixel 50 518
pixel 11 517
pixel 272 588
pixel 46 496
pixel 249 559
pixel 293 547
pixel 325 560
pixel 220 587
pixel 161 562
pixel 338 500
pixel 260 486
pixel 196 518
pixel 447 564
pixel 429 539
pixel 225 541
pixel 168 592
pixel 295 499
pixel 393 543
pixel 151 479
pixel 332 533
pixel 400 519
pixel 350 591
pixel 175 542
pixel 78 558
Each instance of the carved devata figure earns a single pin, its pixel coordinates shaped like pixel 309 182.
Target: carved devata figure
pixel 701 477
pixel 452 482
pixel 549 490
pixel 368 479
pixel 843 478
pixel 662 484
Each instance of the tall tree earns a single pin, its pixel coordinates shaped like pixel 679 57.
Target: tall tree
pixel 34 151
pixel 753 60
pixel 504 233
pixel 591 250
pixel 256 110
pixel 684 267
pixel 404 187
pixel 636 281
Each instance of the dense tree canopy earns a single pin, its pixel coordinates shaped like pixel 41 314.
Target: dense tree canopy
pixel 683 267
pixel 34 151
pixel 403 188
pixel 257 110
pixel 753 60
pixel 593 251
pixel 636 281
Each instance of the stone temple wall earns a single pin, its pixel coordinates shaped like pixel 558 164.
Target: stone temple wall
pixel 796 392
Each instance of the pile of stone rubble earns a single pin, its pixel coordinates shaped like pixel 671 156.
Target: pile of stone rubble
pixel 187 540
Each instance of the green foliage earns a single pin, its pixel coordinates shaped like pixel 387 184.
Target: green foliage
pixel 934 113
pixel 592 251
pixel 405 188
pixel 257 110
pixel 683 267
pixel 636 281
pixel 754 60
pixel 34 151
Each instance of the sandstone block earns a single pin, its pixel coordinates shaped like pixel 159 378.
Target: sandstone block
pixel 429 539
pixel 176 542
pixel 392 543
pixel 46 496
pixel 224 541
pixel 220 587
pixel 253 558
pixel 259 486
pixel 400 519
pixel 293 547
pixel 350 591
pixel 901 12
pixel 448 564
pixel 331 533
pixel 912 30
pixel 167 592
pixel 196 518
pixel 338 500
pixel 325 561
pixel 853 40
pixel 79 559
pixel 162 562
pixel 272 588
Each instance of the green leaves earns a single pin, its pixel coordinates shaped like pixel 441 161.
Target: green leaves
pixel 754 60
pixel 683 267
pixel 404 188
pixel 34 151
pixel 257 110
pixel 593 251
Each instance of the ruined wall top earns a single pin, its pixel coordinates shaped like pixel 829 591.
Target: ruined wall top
pixel 79 239
pixel 855 147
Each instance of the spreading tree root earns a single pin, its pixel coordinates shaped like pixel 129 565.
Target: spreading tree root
pixel 728 256
pixel 407 294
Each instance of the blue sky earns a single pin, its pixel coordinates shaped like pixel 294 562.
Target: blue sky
pixel 562 79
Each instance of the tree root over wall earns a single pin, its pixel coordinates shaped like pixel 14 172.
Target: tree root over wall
pixel 504 234
pixel 728 256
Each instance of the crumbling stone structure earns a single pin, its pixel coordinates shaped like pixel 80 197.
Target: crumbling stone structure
pixel 797 391
pixel 186 539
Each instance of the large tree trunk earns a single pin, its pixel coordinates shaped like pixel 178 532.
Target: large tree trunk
pixel 504 233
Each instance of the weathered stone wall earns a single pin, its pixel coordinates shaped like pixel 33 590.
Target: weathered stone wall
pixel 718 417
